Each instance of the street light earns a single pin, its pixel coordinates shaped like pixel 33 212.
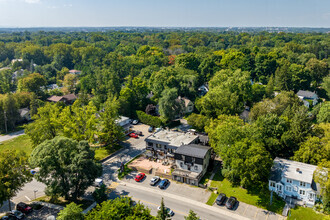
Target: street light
pixel 35 193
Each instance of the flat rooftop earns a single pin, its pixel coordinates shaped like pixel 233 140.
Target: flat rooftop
pixel 173 138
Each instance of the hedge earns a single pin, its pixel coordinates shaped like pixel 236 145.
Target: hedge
pixel 149 119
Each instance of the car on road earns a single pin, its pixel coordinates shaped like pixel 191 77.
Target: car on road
pixel 139 177
pixel 23 207
pixel 169 211
pixel 150 129
pixel 164 183
pixel 135 122
pixel 133 135
pixel 220 199
pixel 230 204
pixel 154 180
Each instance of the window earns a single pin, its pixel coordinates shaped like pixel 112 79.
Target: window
pixel 150 144
pixel 288 188
pixel 181 164
pixel 193 160
pixel 302 184
pixel 272 184
pixel 158 145
pixel 289 180
pixel 302 192
pixel 196 167
pixel 183 157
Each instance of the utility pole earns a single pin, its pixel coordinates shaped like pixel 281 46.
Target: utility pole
pixel 4 113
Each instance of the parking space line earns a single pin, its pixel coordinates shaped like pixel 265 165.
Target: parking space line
pixel 27 198
pixel 255 216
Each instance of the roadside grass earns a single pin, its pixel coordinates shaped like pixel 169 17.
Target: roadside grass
pixel 256 197
pixel 127 170
pixel 212 198
pixel 20 143
pixel 305 213
pixel 102 152
pixel 62 202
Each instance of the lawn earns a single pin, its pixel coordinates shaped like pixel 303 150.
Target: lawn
pixel 259 198
pixel 306 214
pixel 21 143
pixel 62 202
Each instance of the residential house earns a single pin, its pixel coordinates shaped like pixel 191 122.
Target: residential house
pixel 203 89
pixel 162 144
pixel 25 114
pixel 76 72
pixel 16 60
pixel 125 123
pixel 294 182
pixel 308 97
pixel 192 161
pixel 188 106
pixel 67 99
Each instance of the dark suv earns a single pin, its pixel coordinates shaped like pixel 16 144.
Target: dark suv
pixel 230 204
pixel 221 199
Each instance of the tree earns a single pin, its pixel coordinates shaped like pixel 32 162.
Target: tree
pixel 100 194
pixel 322 176
pixel 14 173
pixel 110 132
pixel 32 83
pixel 10 111
pixel 270 87
pixel 229 90
pixel 317 69
pixel 71 211
pixel 119 208
pixel 67 167
pixel 69 83
pixel 151 110
pixel 313 151
pixel 169 107
pixel 198 121
pixel 324 114
pixel 162 213
pixel 46 124
pixel 326 85
pixel 192 216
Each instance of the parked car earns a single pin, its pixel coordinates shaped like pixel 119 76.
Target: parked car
pixel 17 214
pixel 98 182
pixel 139 177
pixel 9 216
pixel 164 183
pixel 138 133
pixel 169 211
pixel 220 199
pixel 158 129
pixel 23 207
pixel 154 180
pixel 150 129
pixel 133 135
pixel 231 202
pixel 135 122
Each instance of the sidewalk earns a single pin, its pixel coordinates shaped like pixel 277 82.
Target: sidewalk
pixel 11 136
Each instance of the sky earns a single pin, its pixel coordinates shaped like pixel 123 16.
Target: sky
pixel 165 13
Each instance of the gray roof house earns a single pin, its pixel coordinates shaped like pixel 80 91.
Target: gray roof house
pixel 191 162
pixel 294 182
pixel 307 97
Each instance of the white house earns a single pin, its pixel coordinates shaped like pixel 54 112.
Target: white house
pixel 191 161
pixel 188 106
pixel 125 123
pixel 294 182
pixel 307 97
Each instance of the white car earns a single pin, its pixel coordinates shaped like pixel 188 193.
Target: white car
pixel 169 211
pixel 98 182
pixel 135 122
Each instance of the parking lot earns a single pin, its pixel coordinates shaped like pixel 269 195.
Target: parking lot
pixel 251 211
pixel 138 142
pixel 184 190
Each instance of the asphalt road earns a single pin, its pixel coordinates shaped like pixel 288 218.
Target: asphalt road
pixel 11 135
pixel 180 208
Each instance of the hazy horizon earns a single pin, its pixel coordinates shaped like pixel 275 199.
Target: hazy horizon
pixel 170 13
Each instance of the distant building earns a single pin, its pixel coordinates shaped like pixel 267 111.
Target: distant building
pixel 25 114
pixel 67 99
pixel 16 60
pixel 52 87
pixel 76 72
pixel 203 89
pixel 125 123
pixel 188 106
pixel 308 97
pixel 192 162
pixel 294 182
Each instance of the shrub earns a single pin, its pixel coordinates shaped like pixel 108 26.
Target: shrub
pixel 148 119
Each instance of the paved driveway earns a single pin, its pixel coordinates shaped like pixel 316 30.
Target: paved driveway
pixel 11 135
pixel 252 212
pixel 181 189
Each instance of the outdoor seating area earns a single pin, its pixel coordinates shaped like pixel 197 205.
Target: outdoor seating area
pixel 143 163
